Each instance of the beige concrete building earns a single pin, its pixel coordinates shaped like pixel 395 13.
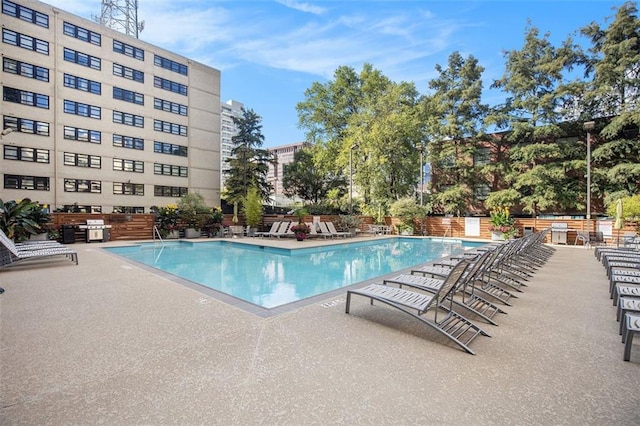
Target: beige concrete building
pixel 96 118
pixel 283 156
pixel 228 129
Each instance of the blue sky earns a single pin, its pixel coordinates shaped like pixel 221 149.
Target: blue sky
pixel 271 51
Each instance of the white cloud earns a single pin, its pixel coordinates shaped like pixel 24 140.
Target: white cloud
pixel 302 7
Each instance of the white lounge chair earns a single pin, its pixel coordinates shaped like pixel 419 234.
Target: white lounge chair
pixel 333 231
pixel 273 229
pixel 11 254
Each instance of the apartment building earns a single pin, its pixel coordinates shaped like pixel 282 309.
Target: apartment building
pixel 283 155
pixel 102 121
pixel 228 130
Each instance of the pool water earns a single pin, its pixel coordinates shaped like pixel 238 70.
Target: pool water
pixel 271 277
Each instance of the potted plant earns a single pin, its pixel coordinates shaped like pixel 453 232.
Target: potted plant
pixel 502 225
pixel 213 222
pixel 193 214
pixel 168 218
pixel 407 210
pixel 349 222
pixel 301 231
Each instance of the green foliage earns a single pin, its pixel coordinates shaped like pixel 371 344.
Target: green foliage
pixel 407 210
pixel 349 222
pixel 249 164
pixel 307 179
pixel 252 207
pixel 167 219
pixel 21 219
pixel 630 208
pixel 193 210
pixel 501 221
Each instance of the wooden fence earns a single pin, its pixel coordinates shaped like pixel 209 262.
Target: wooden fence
pixel 140 226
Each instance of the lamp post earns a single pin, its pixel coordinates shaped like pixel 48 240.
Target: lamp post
pixel 588 126
pixel 421 150
pixel 354 146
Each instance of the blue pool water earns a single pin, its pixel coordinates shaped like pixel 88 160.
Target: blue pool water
pixel 270 277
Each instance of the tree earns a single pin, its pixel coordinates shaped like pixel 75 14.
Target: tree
pixel 249 164
pixel 305 179
pixel 614 91
pixel 252 207
pixel 546 166
pixel 366 124
pixel 455 120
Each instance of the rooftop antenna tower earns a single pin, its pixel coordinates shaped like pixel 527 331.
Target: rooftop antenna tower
pixel 121 15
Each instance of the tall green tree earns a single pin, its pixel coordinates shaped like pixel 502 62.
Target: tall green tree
pixel 249 164
pixel 305 179
pixel 367 130
pixel 455 119
pixel 545 166
pixel 614 91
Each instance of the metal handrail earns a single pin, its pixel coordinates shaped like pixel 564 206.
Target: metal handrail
pixel 156 231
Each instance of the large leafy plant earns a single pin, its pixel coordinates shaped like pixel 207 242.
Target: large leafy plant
pixel 21 219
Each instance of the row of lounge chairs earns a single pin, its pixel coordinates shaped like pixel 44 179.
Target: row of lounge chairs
pixel 12 253
pixel 323 229
pixel 622 266
pixel 477 285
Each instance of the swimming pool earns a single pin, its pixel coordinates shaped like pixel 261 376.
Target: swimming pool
pixel 270 277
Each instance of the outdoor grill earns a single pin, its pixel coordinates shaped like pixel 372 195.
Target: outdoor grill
pixel 96 230
pixel 559 233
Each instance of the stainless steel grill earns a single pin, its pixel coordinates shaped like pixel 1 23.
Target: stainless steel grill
pixel 96 230
pixel 559 232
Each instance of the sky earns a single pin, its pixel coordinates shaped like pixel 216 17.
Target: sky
pixel 270 51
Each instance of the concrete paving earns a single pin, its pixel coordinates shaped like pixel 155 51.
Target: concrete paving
pixel 110 342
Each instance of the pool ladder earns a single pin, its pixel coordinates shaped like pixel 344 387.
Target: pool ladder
pixel 156 232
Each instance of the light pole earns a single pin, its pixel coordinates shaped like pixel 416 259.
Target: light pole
pixel 421 150
pixel 588 126
pixel 354 146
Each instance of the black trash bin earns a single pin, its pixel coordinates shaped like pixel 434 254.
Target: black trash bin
pixel 68 234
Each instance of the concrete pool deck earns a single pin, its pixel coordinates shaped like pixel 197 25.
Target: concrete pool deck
pixel 110 342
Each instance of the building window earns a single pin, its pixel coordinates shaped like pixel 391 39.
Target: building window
pixel 82 160
pixel 128 50
pixel 167 127
pixel 31 183
pixel 128 142
pixel 170 191
pixel 21 153
pixel 25 70
pixel 22 12
pixel 128 73
pixel 481 191
pixel 24 97
pixel 169 85
pixel 128 119
pixel 82 84
pixel 169 148
pixel 168 64
pixel 82 135
pixel 82 34
pixel 170 170
pixel 122 165
pixel 126 188
pixel 83 185
pixel 82 59
pixel 128 210
pixel 75 208
pixel 25 41
pixel 482 156
pixel 169 106
pixel 84 110
pixel 128 96
pixel 24 125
